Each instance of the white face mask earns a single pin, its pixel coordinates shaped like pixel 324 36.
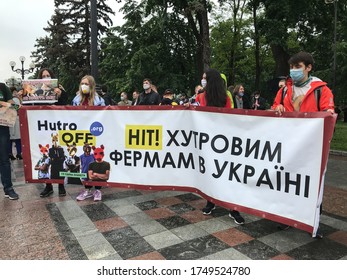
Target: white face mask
pixel 146 86
pixel 85 89
pixel 122 98
pixel 203 83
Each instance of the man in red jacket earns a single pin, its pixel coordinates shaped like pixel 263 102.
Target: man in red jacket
pixel 300 92
pixel 303 93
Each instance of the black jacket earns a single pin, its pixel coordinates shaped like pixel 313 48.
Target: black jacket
pixel 152 98
pixel 245 100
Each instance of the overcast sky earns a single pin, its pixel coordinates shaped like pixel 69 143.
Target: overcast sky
pixel 21 23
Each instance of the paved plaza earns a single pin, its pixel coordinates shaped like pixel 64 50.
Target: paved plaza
pixel 133 224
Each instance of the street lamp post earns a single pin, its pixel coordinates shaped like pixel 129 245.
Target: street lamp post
pixel 334 46
pixel 94 39
pixel 334 63
pixel 22 71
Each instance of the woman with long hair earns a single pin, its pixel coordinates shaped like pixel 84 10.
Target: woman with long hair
pixel 215 92
pixel 46 73
pixel 87 95
pixel 56 153
pixel 215 95
pixel 240 98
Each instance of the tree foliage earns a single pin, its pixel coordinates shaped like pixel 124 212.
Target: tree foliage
pixel 153 43
pixel 67 48
pixel 174 41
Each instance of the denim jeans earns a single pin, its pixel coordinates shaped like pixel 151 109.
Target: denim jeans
pixel 18 145
pixel 5 165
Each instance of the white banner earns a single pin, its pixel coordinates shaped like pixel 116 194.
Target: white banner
pixel 257 163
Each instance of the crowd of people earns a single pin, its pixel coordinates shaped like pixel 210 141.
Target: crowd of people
pixel 296 93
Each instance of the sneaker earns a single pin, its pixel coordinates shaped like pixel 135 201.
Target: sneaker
pixel 62 191
pixel 235 215
pixel 11 194
pixel 46 192
pixel 11 157
pixel 19 157
pixel 207 210
pixel 84 195
pixel 97 195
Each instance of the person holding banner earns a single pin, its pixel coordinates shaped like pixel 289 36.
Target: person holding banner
pixel 56 153
pixel 303 93
pixel 46 73
pixel 87 95
pixel 5 165
pixel 215 95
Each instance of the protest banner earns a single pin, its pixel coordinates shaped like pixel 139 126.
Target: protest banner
pixel 253 161
pixel 39 91
pixel 8 114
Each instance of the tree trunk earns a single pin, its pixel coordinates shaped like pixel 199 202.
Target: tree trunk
pixel 205 36
pixel 281 58
pixel 202 36
pixel 257 48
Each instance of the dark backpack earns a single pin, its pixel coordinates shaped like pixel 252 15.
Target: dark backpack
pixel 317 95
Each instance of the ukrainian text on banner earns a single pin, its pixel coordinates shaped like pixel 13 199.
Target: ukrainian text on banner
pixel 255 162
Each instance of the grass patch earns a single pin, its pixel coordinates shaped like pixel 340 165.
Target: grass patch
pixel 339 141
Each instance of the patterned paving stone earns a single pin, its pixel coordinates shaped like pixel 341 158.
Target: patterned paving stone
pixel 339 236
pixel 149 256
pixel 98 211
pixel 189 232
pixel 181 251
pixel 232 236
pixel 208 244
pixel 155 225
pixel 158 213
pixel 286 240
pixel 188 197
pixel 166 201
pixel 148 228
pixel 173 222
pixel 320 249
pixel 109 224
pixel 128 243
pixel 260 228
pixel 162 239
pixel 195 216
pixel 181 208
pixel 147 205
pixel 257 250
pixel 119 195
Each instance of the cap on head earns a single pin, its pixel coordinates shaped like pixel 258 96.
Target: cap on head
pixel 168 91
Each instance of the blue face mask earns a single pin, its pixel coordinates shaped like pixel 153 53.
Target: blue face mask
pixel 297 75
pixel 241 93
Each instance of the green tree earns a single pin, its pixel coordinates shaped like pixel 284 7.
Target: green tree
pixel 67 48
pixel 155 43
